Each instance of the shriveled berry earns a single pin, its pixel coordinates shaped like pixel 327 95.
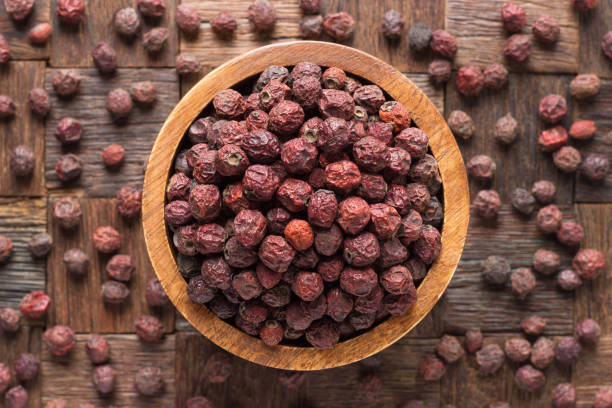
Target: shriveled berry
pixel 276 253
pixel 506 129
pixel 70 12
pixel 443 44
pixel 523 201
pixel 546 29
pixel 473 340
pixel 149 381
pixel 127 22
pixel 481 167
pixel 97 349
pixel 544 191
pixel 542 353
pixel 470 80
pixel 188 20
pixel 106 239
pixel 262 15
pixel 522 283
pixel 552 108
pixel 533 325
pixel 392 25
pixel 567 351
pixel 432 368
pixel 38 101
pixel 495 76
pixel 585 86
pixel 588 331
pixel 113 155
pixel 568 280
pixel 461 124
pixel 570 233
pixel 589 263
pixel 582 129
pixel 564 396
pixel 490 358
pixel 59 339
pixel 22 161
pixel 546 262
pixel 513 17
pixel 549 219
pixel 487 203
pixel 528 378
pixel 120 267
pixel 114 292
pixel 595 167
pixel 495 270
pixel 35 305
pixel 518 47
pixel 339 26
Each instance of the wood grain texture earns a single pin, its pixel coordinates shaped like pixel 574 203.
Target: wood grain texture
pixel 69 377
pixel 522 163
pixel 25 128
pixel 481 38
pixel 72 46
pixel 592 371
pixel 20 220
pixel 434 93
pixel 593 26
pixel 425 116
pixel 595 299
pixel 136 135
pixel 27 340
pixel 600 111
pixel 471 303
pixel 17 32
pixel 77 302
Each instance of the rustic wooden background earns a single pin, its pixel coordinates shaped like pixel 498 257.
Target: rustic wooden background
pixel 25 208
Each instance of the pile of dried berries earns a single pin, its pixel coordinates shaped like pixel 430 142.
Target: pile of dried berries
pixel 305 210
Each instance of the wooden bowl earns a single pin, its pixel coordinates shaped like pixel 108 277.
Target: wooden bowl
pixel 443 146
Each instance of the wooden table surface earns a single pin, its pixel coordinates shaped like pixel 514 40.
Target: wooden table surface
pixel 25 208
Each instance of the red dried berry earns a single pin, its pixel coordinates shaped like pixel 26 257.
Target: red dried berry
pixel 443 44
pixel 339 26
pixel 470 80
pixel 514 17
pixel 518 47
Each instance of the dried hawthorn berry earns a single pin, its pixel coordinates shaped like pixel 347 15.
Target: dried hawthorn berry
pixel 397 280
pixel 473 340
pixel 517 349
pixel 395 113
pixel 237 255
pixel 299 234
pixel 322 208
pixel 419 37
pixel 262 15
pixel 307 91
pixel 522 201
pixel 568 280
pixel 26 367
pixel 76 261
pixel 129 201
pixel 113 155
pixel 542 353
pixel 294 194
pixel 152 8
pixel 5 50
pixel 59 339
pixel 552 108
pixel 187 64
pixel 68 131
pixel 67 212
pixel 432 368
pixel 336 103
pixel 518 47
pixel 380 130
pixel 392 252
pixel 385 220
pixel 481 167
pixel 70 12
pixel 398 161
pixel 552 139
pixel 272 72
pixel 40 33
pixel 65 83
pixel 323 334
pixel 495 76
pixel 392 25
pixel 298 156
pixel 582 129
pixel 277 219
pixel 603 398
pixel 10 323
pixel 495 270
pixel 589 263
pixel 461 124
pixel 588 332
pixel 127 22
pixel 143 93
pixel 564 395
pixel 38 101
pixel 155 40
pixel 570 233
pixel 105 58
pixel 339 26
pixel 339 304
pixel 272 93
pixel 198 291
pixel 178 187
pixel 286 117
pixel 310 6
pixel 373 187
pixel 549 219
pixel 35 305
pixel 7 107
pixel 256 119
pixel 149 329
pixel 342 176
pixel 514 17
pixel 276 253
pixel 114 292
pixel 370 97
pixel 271 333
pixel 470 80
pixel 487 203
pixel 585 86
pixel 361 250
pixel 22 161
pixel 398 305
pixel 205 202
pixel 490 358
pixel 546 262
pixel 443 44
pixel 522 283
pixel 398 197
pixel 544 191
pixel 372 303
pixel 330 269
pixel 16 397
pixel 546 29
pixel 353 215
pixel 97 349
pixel 119 103
pixel 120 267
pixel 188 20
pixel 177 212
pixel 18 10
pixel 40 244
pixel 308 285
pixel 439 71
pixel 224 24
pixel 595 167
pixel 567 351
pixel 333 78
pixel 533 325
pixel 231 160
pixel 370 154
pixel 584 5
pixel 528 378
pixel 414 141
pixel 149 381
pixel 506 129
pixel 450 349
pixel 103 378
pixel 106 239
pixel 358 281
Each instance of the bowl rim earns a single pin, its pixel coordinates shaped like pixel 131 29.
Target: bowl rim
pixel 427 118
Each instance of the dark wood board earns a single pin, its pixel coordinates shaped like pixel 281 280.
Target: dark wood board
pixel 25 128
pixel 521 163
pixel 592 371
pixel 481 36
pixel 77 302
pixel 69 377
pixel 72 46
pixel 17 32
pixel 136 134
pixel 593 26
pixel 20 220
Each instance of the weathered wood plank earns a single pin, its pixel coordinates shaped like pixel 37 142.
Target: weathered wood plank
pixel 522 163
pixel 71 46
pixel 471 303
pixel 17 33
pixel 600 111
pixel 595 298
pixel 136 135
pixel 69 377
pixel 593 26
pixel 436 94
pixel 592 371
pixel 27 340
pixel 481 37
pixel 20 220
pixel 25 128
pixel 77 302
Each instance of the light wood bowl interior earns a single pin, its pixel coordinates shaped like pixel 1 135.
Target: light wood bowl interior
pixel 425 115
